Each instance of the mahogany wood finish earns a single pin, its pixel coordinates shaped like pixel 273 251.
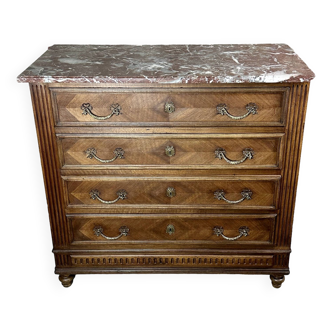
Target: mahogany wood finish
pixel 192 192
pixel 42 108
pixel 147 108
pixel 187 229
pixel 150 150
pixel 187 261
pixel 70 176
pixel 171 218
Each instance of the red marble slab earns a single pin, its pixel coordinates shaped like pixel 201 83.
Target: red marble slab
pixel 241 63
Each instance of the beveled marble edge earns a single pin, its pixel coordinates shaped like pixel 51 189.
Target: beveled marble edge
pixel 168 64
pixel 166 80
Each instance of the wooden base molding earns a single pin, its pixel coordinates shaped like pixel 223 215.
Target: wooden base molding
pixel 188 261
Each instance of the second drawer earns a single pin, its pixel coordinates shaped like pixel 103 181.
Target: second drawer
pixel 225 151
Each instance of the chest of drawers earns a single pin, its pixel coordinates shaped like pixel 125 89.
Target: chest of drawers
pixel 170 159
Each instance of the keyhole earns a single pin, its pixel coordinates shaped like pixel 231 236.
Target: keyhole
pixel 169 107
pixel 170 229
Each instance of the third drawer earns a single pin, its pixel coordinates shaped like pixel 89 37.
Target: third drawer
pixel 240 192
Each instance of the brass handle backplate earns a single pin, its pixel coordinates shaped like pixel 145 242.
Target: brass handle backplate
pixel 94 194
pixel 87 109
pixel 222 109
pixel 247 154
pixel 219 231
pixel 220 195
pixel 123 230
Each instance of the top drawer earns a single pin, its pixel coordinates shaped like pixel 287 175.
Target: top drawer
pixel 165 107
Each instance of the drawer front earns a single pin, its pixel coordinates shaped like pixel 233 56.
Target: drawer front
pixel 213 108
pixel 221 229
pixel 214 192
pixel 153 150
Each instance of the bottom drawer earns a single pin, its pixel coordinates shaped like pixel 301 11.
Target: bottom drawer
pixel 242 229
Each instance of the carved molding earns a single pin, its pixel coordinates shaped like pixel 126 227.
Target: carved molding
pixel 177 261
pixel 62 260
pixel 292 154
pixel 42 108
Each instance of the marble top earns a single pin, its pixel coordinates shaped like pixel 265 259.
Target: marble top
pixel 246 63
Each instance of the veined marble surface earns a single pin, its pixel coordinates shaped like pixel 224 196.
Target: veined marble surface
pixel 246 63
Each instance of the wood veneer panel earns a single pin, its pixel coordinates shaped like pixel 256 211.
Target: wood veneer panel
pixel 147 108
pixel 189 150
pixel 191 192
pixel 186 229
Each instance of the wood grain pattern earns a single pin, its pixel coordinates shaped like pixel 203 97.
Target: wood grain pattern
pixel 149 228
pixel 148 107
pixel 149 150
pixel 50 164
pixel 189 192
pixel 294 135
pixel 143 130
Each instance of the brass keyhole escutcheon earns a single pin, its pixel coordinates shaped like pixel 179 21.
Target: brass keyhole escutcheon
pixel 170 229
pixel 169 107
pixel 170 192
pixel 169 151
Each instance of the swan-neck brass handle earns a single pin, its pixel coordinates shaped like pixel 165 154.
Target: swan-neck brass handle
pixel 94 194
pixel 247 154
pixel 92 153
pixel 123 230
pixel 87 109
pixel 219 231
pixel 222 109
pixel 220 195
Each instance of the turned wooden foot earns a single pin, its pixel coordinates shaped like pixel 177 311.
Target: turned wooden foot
pixel 277 280
pixel 66 279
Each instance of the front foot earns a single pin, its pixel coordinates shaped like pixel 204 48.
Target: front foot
pixel 66 279
pixel 277 280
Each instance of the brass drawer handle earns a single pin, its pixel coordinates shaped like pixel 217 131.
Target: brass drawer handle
pixel 247 154
pixel 124 230
pixel 220 195
pixel 94 194
pixel 219 231
pixel 92 153
pixel 222 109
pixel 87 109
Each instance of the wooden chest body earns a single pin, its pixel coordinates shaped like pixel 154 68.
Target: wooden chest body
pixel 170 178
